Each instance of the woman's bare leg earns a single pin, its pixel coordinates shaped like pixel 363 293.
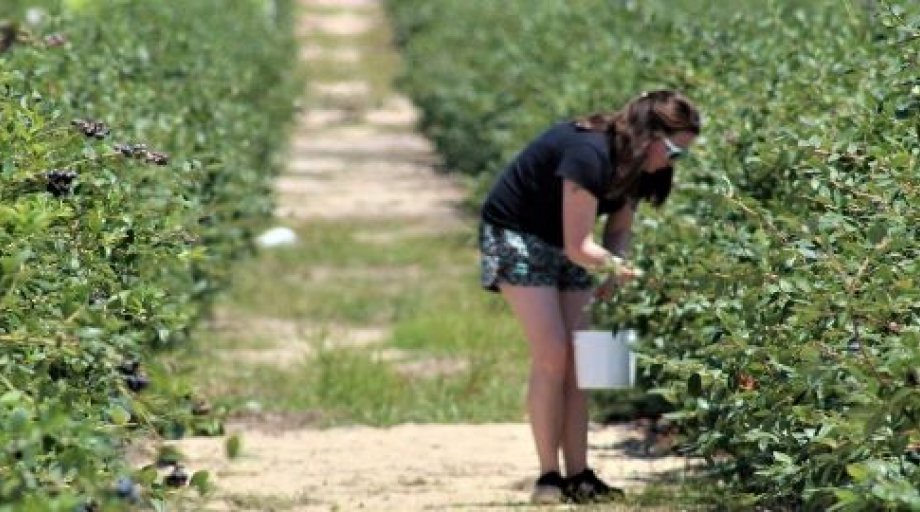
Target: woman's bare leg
pixel 540 313
pixel 575 422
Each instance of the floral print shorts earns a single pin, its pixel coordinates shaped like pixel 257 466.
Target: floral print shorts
pixel 522 259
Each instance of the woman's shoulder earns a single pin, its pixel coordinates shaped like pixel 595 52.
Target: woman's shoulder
pixel 566 133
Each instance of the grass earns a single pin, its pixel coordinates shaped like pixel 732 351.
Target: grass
pixel 350 279
pixel 424 288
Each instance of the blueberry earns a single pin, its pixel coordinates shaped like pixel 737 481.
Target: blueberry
pixel 88 506
pixel 201 408
pixel 130 367
pixel 139 151
pixel 126 489
pixel 52 40
pixel 137 383
pixel 154 157
pixel 912 455
pixel 91 128
pixel 177 478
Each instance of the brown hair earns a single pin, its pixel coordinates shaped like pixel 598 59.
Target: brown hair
pixel 629 132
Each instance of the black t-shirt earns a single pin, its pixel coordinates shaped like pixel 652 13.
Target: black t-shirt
pixel 527 197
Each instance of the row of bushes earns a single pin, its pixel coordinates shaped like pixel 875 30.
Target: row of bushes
pixel 138 146
pixel 780 312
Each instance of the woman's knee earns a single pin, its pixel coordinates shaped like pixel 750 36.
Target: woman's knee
pixel 550 361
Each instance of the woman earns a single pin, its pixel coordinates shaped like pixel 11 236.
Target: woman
pixel 538 250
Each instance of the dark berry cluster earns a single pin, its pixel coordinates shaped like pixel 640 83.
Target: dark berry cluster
pixel 157 158
pixel 91 128
pixel 200 407
pixel 88 506
pixel 9 34
pixel 912 454
pixel 52 40
pixel 135 379
pixel 140 152
pixel 177 477
pixel 60 181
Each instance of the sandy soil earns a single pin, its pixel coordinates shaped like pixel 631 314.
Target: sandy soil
pixel 404 468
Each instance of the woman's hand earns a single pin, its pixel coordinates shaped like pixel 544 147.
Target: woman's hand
pixel 605 290
pixel 618 273
pixel 619 268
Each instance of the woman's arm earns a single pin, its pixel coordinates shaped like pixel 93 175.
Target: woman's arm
pixel 579 215
pixel 618 231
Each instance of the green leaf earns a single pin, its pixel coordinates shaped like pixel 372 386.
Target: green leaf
pixel 877 232
pixel 119 415
pixel 845 498
pixel 233 446
pixel 858 472
pixel 200 482
pixel 782 458
pixel 11 397
pixel 159 505
pixel 147 475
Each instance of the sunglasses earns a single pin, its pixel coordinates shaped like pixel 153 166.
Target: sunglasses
pixel 674 151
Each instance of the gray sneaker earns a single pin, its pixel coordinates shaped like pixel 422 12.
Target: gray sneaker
pixel 548 489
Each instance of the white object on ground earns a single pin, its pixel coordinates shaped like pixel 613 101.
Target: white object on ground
pixel 277 236
pixel 604 360
pixel 35 16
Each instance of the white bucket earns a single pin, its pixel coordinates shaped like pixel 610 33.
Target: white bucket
pixel 604 360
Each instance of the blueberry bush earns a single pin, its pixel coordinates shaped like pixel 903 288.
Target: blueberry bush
pixel 779 315
pixel 138 146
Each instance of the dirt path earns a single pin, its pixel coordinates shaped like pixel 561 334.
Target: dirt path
pixel 356 155
pixel 404 468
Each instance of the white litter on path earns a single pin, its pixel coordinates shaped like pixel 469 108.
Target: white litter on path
pixel 277 236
